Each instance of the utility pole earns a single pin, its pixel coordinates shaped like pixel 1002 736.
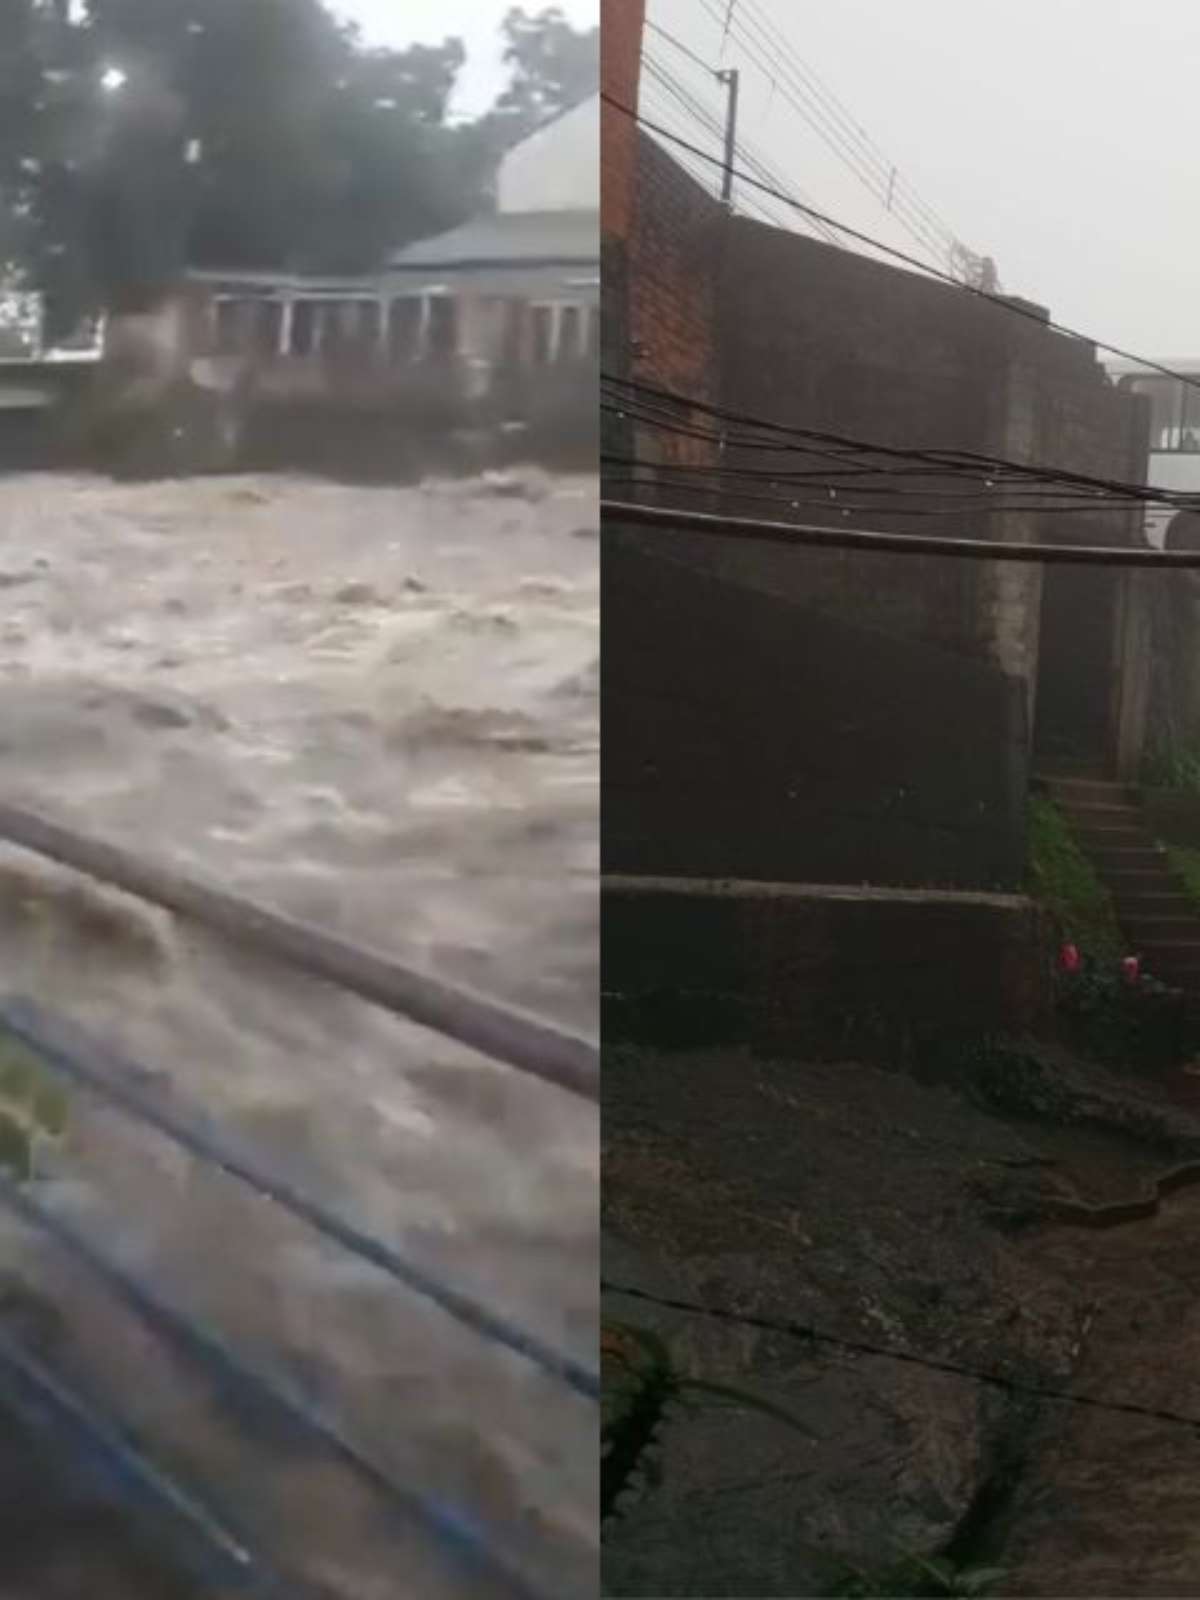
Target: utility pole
pixel 729 77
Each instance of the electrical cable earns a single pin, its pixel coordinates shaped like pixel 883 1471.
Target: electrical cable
pixel 837 480
pixel 848 509
pixel 955 460
pixel 890 186
pixel 788 86
pixel 864 1347
pixel 681 47
pixel 754 160
pixel 1014 307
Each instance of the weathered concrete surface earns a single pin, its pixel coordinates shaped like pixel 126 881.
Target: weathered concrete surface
pixel 865 1203
pixel 804 969
pixel 1172 815
pixel 1111 1508
pixel 759 738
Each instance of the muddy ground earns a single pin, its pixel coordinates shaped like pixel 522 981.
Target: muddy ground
pixel 907 1216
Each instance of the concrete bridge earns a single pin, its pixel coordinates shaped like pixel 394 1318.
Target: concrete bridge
pixel 35 393
pixel 39 383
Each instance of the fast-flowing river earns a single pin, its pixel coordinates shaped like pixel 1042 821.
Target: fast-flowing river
pixel 376 709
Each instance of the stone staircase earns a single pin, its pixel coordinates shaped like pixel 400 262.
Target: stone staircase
pixel 1159 920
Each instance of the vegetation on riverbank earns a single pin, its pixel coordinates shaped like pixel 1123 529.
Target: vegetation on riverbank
pixel 1172 767
pixel 33 1108
pixel 1185 864
pixel 1064 881
pixel 642 1384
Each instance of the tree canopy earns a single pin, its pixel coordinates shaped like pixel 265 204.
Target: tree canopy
pixel 138 137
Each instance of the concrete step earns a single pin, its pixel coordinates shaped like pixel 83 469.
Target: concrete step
pixel 1134 905
pixel 1157 919
pixel 1122 803
pixel 1112 836
pixel 1172 961
pixel 1126 883
pixel 1159 930
pixel 1130 858
pixel 1175 977
pixel 1090 791
pixel 1112 819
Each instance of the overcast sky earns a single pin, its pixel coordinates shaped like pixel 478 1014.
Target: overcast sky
pixel 1059 136
pixel 475 22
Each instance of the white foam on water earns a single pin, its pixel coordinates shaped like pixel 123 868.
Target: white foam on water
pixel 374 708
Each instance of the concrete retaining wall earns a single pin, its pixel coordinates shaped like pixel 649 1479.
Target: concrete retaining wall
pixel 813 971
pixel 749 736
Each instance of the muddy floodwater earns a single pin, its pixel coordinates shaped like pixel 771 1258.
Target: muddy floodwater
pixel 377 710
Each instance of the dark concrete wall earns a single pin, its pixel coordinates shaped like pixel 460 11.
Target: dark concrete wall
pixel 798 972
pixel 768 323
pixel 830 340
pixel 1172 815
pixel 763 322
pixel 748 736
pixel 1171 601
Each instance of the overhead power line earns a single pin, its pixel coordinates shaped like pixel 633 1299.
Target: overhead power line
pixel 755 161
pixel 864 1347
pixel 892 488
pixel 1014 307
pixel 634 477
pixel 886 181
pixel 896 480
pixel 699 113
pixel 783 437
pixel 770 59
pixel 683 49
pixel 903 483
pixel 678 519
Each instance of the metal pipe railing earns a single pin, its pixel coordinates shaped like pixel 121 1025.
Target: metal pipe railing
pixel 528 1043
pixel 68 1051
pixel 210 1549
pixel 503 1032
pixel 450 1526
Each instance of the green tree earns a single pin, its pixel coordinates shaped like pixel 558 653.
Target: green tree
pixel 138 137
pixel 553 67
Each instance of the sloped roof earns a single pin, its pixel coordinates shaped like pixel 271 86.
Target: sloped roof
pixel 520 238
pixel 557 167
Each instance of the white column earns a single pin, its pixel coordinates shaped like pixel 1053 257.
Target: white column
pixel 285 326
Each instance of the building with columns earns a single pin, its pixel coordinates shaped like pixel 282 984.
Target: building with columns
pixel 513 290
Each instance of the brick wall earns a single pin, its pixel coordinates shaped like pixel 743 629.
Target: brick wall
pixel 675 254
pixel 621 25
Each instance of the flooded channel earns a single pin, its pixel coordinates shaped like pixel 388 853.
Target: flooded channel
pixel 377 710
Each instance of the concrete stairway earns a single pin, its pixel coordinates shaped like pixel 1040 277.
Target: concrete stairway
pixel 1159 919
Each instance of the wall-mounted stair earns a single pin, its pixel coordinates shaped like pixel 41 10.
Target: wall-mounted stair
pixel 1159 919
